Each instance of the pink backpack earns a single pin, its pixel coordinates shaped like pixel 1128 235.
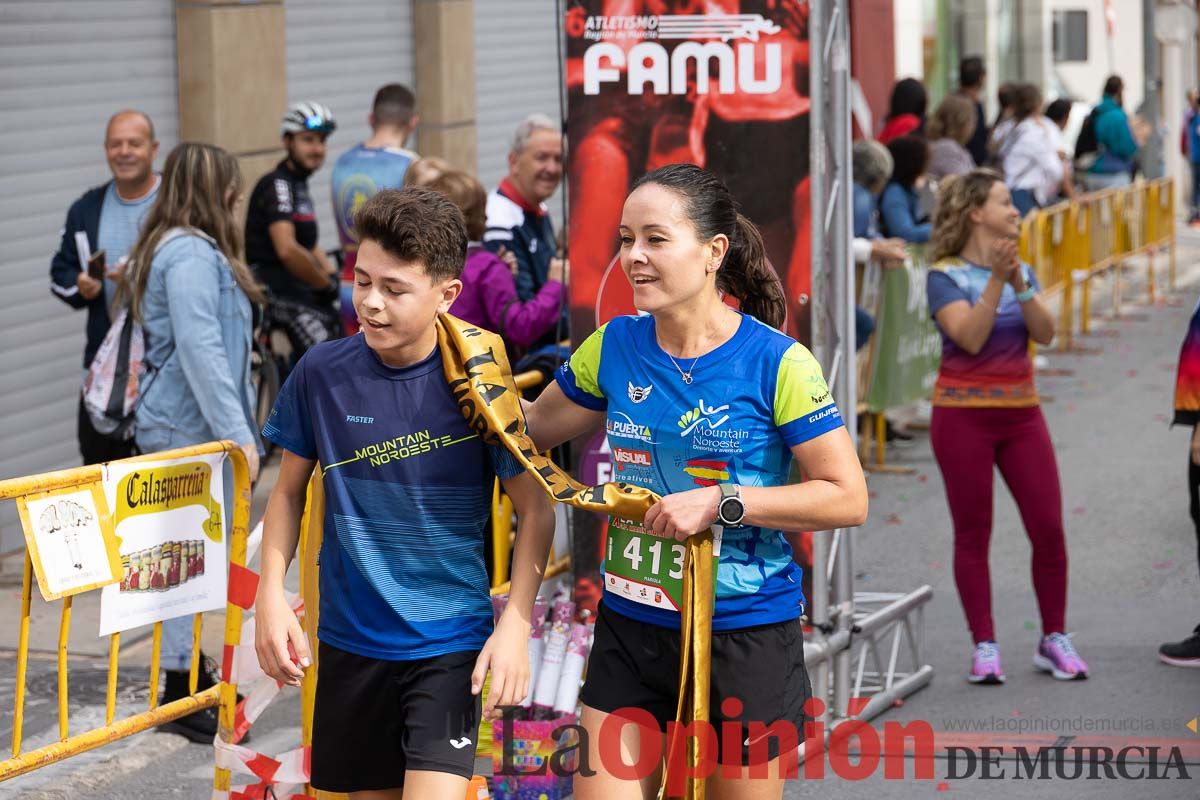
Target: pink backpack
pixel 116 380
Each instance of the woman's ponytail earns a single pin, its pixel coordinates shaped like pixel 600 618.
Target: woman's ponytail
pixel 746 275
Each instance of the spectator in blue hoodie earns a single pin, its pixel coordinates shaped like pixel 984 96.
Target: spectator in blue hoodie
pixel 1115 145
pixel 900 206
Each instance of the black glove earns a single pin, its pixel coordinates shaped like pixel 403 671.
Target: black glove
pixel 329 295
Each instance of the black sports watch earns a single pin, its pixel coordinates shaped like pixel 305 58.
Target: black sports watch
pixel 732 509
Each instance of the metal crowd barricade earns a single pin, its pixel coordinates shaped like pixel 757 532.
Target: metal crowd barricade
pixel 1070 243
pixel 223 695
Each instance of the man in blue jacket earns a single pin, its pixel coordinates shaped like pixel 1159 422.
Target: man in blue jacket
pixel 106 218
pixel 518 219
pixel 1115 145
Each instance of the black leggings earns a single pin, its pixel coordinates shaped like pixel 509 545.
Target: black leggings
pixel 1194 495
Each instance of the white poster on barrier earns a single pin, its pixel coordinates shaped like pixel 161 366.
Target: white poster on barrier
pixel 69 537
pixel 169 517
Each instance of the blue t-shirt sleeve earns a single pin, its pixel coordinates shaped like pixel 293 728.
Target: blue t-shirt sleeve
pixel 579 377
pixel 504 463
pixel 941 290
pixel 803 406
pixel 290 423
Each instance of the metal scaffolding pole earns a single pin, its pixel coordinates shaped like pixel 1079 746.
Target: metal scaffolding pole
pixel 865 651
pixel 832 300
pixel 850 631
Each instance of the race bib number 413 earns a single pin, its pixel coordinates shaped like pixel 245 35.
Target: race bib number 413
pixel 645 568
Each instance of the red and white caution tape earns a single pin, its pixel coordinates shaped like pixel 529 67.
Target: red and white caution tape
pixel 279 777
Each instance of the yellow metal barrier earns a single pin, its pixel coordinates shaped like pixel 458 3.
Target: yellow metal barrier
pixel 223 695
pixel 1070 243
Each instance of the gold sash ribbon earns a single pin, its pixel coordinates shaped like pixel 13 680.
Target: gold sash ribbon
pixel 476 367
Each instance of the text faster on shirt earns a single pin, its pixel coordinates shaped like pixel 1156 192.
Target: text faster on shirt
pixel 408 491
pixel 751 400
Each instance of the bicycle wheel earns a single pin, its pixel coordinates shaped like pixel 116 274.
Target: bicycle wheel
pixel 266 376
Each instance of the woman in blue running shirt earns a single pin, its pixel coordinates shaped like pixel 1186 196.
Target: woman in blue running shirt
pixel 707 406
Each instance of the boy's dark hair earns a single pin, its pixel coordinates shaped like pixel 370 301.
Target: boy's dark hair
pixel 1114 85
pixel 417 225
pixel 970 72
pixel 1058 110
pixel 394 105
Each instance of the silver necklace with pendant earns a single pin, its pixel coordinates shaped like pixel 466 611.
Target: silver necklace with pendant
pixel 687 376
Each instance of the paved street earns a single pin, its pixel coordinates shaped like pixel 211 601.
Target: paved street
pixel 1133 572
pixel 1133 585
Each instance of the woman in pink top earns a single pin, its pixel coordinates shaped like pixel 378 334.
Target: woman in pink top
pixel 986 414
pixel 489 294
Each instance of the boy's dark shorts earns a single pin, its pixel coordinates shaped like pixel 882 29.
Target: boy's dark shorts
pixel 636 665
pixel 375 719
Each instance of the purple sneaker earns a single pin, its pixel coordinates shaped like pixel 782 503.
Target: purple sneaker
pixel 985 666
pixel 1057 656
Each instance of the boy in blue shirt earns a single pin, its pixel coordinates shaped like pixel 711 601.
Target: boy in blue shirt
pixel 405 616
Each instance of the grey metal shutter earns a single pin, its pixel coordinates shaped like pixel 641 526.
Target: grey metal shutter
pixel 339 54
pixel 516 74
pixel 64 69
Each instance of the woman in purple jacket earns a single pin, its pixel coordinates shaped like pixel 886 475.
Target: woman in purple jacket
pixel 489 295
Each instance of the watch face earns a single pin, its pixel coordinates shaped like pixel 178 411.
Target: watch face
pixel 732 510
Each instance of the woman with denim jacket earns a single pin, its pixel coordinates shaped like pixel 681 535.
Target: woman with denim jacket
pixel 900 204
pixel 187 285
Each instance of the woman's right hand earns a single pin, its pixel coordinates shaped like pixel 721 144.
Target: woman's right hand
pixel 278 638
pixel 251 451
pixel 1002 258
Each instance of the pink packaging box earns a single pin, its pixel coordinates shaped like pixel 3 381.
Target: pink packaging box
pixel 534 759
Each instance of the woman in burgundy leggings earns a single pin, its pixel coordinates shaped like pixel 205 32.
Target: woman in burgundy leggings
pixel 986 413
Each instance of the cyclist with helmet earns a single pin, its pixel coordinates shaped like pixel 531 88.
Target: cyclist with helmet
pixel 281 234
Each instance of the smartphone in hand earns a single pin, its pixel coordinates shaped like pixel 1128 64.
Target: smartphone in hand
pixel 96 265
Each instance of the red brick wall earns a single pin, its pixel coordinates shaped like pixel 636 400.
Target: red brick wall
pixel 873 54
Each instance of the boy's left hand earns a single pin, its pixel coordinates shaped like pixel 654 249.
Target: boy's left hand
pixel 506 654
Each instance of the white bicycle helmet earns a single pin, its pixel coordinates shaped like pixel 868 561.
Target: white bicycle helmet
pixel 308 116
